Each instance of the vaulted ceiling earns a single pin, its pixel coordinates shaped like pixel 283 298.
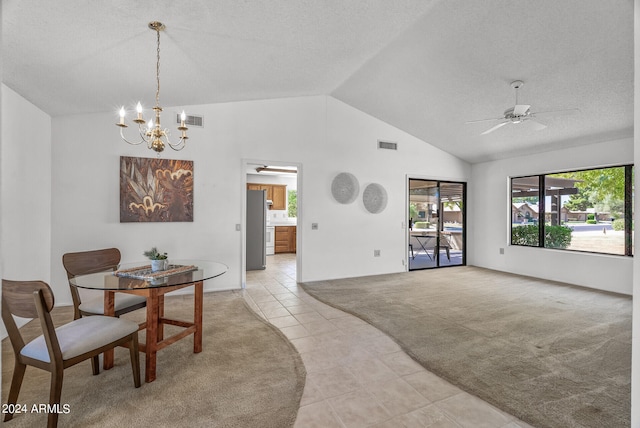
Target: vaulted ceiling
pixel 426 67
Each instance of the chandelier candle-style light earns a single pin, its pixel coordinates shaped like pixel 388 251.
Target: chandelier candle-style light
pixel 153 134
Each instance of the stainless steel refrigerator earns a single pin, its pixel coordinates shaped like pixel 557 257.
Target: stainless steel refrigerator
pixel 256 229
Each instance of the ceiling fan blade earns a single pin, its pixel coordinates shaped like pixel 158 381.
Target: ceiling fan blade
pixel 535 125
pixel 500 125
pixel 484 120
pixel 558 112
pixel 520 109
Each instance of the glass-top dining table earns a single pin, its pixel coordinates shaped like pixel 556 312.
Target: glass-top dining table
pixel 138 279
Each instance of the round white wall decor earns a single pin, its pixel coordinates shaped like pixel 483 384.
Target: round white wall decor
pixel 345 188
pixel 374 198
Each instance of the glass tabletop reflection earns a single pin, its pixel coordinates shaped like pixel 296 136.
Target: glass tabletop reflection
pixel 199 270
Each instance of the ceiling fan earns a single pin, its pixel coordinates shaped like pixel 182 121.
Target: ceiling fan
pixel 521 113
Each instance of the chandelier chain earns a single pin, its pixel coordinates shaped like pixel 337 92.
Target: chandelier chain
pixel 158 70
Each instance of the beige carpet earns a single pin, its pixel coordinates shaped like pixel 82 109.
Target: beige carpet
pixel 550 354
pixel 248 375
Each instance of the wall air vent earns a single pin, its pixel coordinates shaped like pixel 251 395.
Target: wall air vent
pixel 387 145
pixel 192 120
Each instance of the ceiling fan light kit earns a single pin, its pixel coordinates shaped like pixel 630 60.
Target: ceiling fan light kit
pixel 519 113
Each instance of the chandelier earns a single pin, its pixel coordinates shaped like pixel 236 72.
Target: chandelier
pixel 152 132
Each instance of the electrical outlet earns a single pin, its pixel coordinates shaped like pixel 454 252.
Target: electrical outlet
pixel 376 253
pixel 314 226
pixel 501 250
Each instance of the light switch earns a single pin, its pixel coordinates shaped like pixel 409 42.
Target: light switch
pixel 314 226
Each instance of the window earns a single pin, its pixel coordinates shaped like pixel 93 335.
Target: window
pixel 589 210
pixel 292 203
pixel 525 204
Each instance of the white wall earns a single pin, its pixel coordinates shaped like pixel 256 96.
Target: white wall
pixel 25 189
pixel 489 219
pixel 85 165
pixel 320 133
pixel 347 235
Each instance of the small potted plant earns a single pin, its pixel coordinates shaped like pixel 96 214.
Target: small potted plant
pixel 158 260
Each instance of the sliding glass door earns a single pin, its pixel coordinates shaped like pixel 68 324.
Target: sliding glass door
pixel 437 221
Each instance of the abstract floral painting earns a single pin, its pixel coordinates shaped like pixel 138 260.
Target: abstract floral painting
pixel 155 190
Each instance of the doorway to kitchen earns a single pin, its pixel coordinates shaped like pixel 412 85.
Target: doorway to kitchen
pixel 437 223
pixel 277 232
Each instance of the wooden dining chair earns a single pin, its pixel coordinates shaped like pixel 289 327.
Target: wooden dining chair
pixel 62 347
pixel 86 262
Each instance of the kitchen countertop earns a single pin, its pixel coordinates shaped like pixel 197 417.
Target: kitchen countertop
pixel 282 224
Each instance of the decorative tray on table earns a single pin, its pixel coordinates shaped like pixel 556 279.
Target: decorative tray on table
pixel 145 272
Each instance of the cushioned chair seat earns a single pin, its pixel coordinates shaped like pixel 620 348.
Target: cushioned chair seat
pixel 122 300
pixel 81 336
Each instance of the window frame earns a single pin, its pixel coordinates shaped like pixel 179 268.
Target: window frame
pixel 542 194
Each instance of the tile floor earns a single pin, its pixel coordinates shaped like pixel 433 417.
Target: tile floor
pixel 356 375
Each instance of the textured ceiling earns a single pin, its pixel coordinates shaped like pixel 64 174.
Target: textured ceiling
pixel 456 64
pixel 425 67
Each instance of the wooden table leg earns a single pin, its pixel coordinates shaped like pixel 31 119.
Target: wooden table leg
pixel 152 336
pixel 109 310
pixel 160 334
pixel 197 317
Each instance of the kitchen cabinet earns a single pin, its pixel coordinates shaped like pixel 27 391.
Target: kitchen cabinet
pixel 267 187
pixel 279 197
pixel 293 239
pixel 285 239
pixel 277 193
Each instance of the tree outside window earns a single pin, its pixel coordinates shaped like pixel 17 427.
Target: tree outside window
pixel 292 203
